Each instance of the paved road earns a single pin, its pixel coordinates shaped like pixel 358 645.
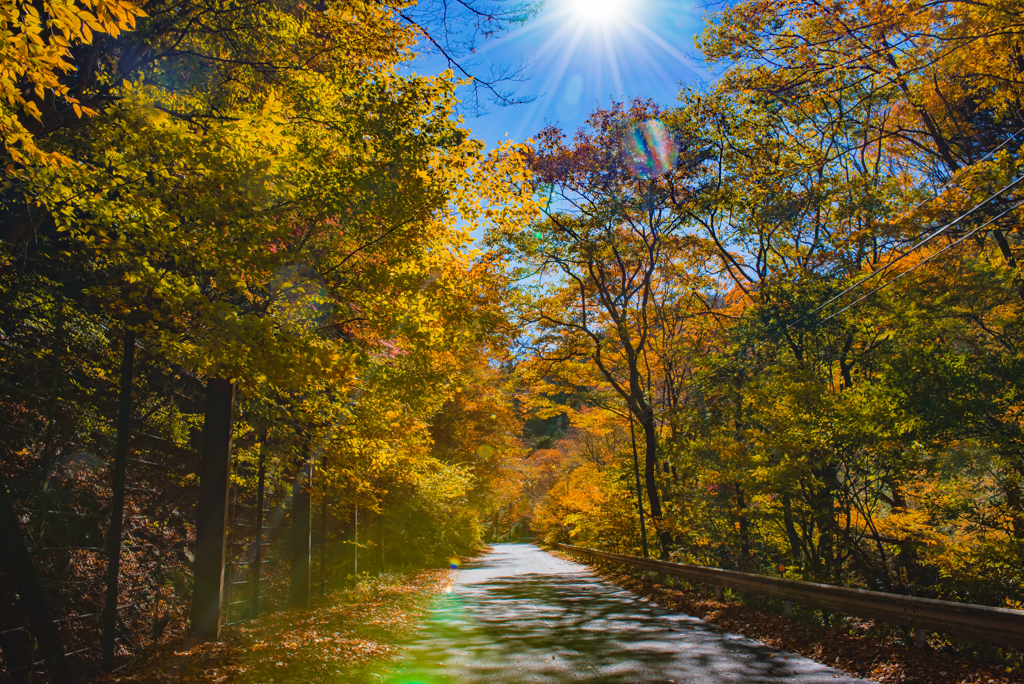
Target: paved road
pixel 519 614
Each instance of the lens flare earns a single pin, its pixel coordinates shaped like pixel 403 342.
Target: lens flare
pixel 648 149
pixel 454 562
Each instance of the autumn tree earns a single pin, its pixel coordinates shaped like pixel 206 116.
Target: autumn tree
pixel 598 259
pixel 275 208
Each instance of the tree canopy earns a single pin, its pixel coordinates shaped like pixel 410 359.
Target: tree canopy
pixel 775 324
pixel 814 306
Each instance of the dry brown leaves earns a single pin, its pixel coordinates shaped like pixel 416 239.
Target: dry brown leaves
pixel 871 658
pixel 357 628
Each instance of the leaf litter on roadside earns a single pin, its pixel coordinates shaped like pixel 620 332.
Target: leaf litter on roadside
pixel 880 660
pixel 338 641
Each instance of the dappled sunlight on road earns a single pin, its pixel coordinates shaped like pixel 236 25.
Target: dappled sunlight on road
pixel 521 615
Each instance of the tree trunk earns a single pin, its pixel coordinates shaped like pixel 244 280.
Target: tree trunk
pixel 124 426
pixel 795 544
pixel 639 491
pixel 18 562
pixel 15 643
pixel 355 543
pixel 301 529
pixel 347 534
pixel 1011 262
pixel 257 560
pixel 651 482
pixel 380 542
pixel 212 512
pixel 1015 504
pixel 741 508
pixel 323 534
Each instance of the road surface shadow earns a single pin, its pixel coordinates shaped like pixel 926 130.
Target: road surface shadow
pixel 519 615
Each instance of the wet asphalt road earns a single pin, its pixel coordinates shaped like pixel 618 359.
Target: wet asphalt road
pixel 519 614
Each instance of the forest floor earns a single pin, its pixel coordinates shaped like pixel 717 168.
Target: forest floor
pixel 354 632
pixel 884 660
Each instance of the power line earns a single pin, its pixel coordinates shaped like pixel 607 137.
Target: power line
pixel 919 265
pixel 923 241
pixel 957 176
pixel 882 270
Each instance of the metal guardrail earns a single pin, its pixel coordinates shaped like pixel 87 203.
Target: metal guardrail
pixel 1002 626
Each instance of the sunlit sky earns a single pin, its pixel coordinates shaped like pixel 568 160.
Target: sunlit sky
pixel 586 53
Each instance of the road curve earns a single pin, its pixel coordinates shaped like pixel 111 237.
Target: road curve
pixel 519 614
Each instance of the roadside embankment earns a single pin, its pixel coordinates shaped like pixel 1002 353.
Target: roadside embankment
pixel 884 660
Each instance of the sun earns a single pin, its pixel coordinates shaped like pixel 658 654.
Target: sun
pixel 598 11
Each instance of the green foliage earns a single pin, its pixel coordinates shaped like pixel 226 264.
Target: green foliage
pixel 807 425
pixel 260 194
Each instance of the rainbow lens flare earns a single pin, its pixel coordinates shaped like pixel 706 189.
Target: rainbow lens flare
pixel 648 149
pixel 454 562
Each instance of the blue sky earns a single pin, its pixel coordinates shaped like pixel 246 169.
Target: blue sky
pixel 590 52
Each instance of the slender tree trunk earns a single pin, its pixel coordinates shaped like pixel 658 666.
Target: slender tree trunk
pixel 825 515
pixel 16 559
pixel 323 533
pixel 257 560
pixel 124 426
pixel 795 544
pixel 639 491
pixel 380 542
pixel 651 481
pixel 212 511
pixel 299 594
pixel 229 555
pixel 57 375
pixel 347 535
pixel 741 507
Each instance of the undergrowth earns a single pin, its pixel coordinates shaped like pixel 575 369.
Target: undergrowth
pixel 353 631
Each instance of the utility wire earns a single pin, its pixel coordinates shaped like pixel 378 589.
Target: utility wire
pixel 931 236
pixel 955 177
pixel 883 285
pixel 923 241
pixel 919 265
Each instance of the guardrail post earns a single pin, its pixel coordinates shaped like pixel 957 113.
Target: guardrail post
pixel 920 637
pixel 718 593
pixel 788 605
